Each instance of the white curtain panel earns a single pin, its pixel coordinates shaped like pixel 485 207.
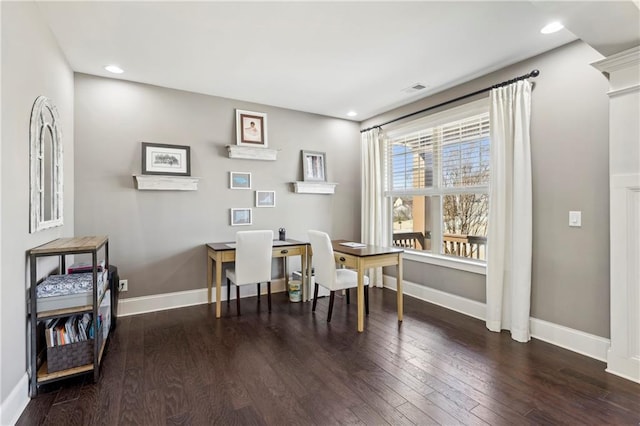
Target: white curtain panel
pixel 510 213
pixel 375 210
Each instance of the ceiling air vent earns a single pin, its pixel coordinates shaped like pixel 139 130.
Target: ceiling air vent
pixel 414 88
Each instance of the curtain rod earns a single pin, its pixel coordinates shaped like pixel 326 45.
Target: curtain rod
pixel 533 73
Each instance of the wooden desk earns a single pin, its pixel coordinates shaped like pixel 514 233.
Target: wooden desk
pixel 222 252
pixel 364 258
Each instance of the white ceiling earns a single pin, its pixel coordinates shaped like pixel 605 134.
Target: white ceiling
pixel 320 57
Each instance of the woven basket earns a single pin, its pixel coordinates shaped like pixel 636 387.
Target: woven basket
pixel 70 355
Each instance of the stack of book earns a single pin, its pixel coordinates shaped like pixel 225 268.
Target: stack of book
pixel 73 329
pixel 64 291
pixel 83 267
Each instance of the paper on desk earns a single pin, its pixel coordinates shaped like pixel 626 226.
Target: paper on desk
pixel 275 243
pixel 353 245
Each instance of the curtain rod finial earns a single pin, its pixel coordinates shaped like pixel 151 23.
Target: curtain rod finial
pixel 535 73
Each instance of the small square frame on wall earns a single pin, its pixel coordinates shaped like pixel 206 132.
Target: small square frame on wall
pixel 164 159
pixel 241 216
pixel 314 166
pixel 240 180
pixel 251 128
pixel 265 198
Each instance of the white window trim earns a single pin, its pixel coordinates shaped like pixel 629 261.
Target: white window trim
pixel 461 264
pixel 434 120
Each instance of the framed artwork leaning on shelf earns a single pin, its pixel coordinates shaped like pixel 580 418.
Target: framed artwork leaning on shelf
pixel 314 166
pixel 164 159
pixel 251 128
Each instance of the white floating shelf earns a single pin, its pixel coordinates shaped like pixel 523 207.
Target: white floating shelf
pixel 166 183
pixel 314 187
pixel 251 153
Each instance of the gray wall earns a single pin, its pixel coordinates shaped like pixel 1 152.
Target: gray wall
pixel 32 65
pixel 157 238
pixel 569 138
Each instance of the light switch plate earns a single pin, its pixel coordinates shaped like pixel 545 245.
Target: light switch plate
pixel 575 218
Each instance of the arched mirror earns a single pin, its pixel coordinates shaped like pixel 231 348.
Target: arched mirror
pixel 46 165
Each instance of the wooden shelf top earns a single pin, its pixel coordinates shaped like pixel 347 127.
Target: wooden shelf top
pixel 252 153
pixel 44 375
pixel 166 183
pixel 303 187
pixel 63 312
pixel 70 245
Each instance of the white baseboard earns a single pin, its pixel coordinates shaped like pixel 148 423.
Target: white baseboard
pixel 13 406
pixel 623 366
pixel 181 299
pixel 568 338
pixel 450 301
pixel 574 340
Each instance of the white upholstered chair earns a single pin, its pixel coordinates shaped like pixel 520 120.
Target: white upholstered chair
pixel 253 263
pixel 327 275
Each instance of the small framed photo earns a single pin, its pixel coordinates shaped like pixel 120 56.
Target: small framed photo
pixel 241 217
pixel 163 159
pixel 251 128
pixel 239 180
pixel 314 166
pixel 265 198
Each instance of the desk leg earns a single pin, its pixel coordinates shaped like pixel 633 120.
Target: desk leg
pixel 360 296
pixel 218 286
pixel 309 272
pixel 209 277
pixel 303 273
pixel 399 287
pixel 286 274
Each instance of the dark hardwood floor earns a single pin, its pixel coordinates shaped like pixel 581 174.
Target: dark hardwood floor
pixel 290 367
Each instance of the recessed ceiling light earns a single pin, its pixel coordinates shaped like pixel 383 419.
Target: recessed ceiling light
pixel 352 113
pixel 552 28
pixel 114 69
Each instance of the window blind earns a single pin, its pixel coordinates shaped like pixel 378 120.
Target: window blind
pixel 442 159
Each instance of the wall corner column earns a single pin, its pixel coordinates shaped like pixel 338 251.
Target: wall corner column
pixel 623 70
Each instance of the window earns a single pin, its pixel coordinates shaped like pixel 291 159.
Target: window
pixel 437 173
